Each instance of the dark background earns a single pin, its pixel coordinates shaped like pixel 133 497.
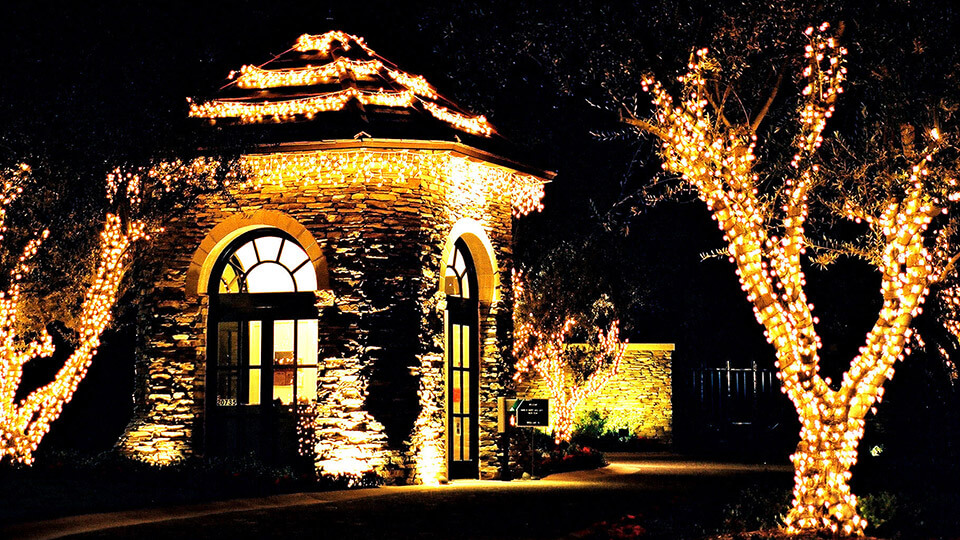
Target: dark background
pixel 86 87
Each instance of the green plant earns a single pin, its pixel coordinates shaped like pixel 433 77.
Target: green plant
pixel 877 508
pixel 592 424
pixel 756 508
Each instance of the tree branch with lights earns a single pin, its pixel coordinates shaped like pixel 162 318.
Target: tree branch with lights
pixel 25 421
pixel 542 350
pixel 763 223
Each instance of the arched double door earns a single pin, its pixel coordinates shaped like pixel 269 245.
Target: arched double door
pixel 463 363
pixel 262 338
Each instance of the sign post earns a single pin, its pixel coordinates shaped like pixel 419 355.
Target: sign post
pixel 532 413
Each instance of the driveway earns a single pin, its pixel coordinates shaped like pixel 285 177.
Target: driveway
pixel 668 494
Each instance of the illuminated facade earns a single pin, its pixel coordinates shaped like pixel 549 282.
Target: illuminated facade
pixel 346 301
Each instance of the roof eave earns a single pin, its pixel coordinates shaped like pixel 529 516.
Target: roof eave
pixel 405 144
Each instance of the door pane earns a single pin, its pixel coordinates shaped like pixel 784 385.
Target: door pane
pixel 254 342
pixel 457 423
pixel 456 398
pixel 283 361
pixel 465 345
pixel 228 344
pixel 466 439
pixel 306 384
pixel 228 353
pixel 307 337
pixel 465 401
pixel 456 350
pixel 253 397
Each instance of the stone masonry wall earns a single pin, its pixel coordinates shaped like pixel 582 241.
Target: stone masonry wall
pixel 381 390
pixel 638 398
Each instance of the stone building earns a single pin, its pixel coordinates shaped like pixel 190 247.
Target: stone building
pixel 346 301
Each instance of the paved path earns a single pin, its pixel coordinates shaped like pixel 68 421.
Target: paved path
pixel 669 492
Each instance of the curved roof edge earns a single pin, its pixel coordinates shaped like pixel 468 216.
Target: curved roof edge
pixel 405 144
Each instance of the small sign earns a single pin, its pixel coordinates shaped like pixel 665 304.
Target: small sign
pixel 532 412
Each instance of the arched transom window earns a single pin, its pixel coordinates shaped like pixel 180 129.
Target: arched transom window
pixel 268 263
pixel 459 273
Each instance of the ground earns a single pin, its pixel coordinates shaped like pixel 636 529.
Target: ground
pixel 665 495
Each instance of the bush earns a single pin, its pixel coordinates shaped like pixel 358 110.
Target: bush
pixel 877 508
pixel 757 508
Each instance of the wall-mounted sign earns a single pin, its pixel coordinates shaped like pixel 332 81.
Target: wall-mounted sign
pixel 532 412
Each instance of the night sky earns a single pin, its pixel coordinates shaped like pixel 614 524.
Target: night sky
pixel 90 86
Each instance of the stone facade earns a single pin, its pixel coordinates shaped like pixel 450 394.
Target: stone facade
pixel 638 398
pixel 378 238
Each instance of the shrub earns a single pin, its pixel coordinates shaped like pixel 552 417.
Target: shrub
pixel 757 508
pixel 877 508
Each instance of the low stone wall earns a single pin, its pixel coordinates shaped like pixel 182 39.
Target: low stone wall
pixel 638 398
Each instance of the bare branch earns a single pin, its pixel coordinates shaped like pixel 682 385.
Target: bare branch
pixel 766 106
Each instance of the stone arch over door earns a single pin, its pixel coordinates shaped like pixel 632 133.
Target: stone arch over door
pixel 470 284
pixel 484 257
pixel 204 258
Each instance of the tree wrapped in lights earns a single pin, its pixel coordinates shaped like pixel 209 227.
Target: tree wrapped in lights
pixel 763 223
pixel 546 354
pixel 25 421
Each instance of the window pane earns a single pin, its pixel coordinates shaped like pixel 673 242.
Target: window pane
pixel 247 256
pixel 465 291
pixel 306 278
pixel 306 384
pixel 307 342
pixel 269 277
pixel 253 397
pixel 268 247
pixel 229 281
pixel 466 439
pixel 292 255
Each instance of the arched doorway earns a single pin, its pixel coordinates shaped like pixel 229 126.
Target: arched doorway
pixel 463 359
pixel 262 337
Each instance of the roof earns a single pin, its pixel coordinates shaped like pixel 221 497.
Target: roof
pixel 339 87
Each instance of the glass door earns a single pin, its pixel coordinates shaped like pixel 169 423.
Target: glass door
pixel 462 358
pixel 266 387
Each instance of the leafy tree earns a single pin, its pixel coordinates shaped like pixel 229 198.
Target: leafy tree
pixel 763 212
pixel 571 373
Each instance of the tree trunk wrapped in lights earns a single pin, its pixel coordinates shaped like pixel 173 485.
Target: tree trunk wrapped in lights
pixel 545 354
pixel 766 239
pixel 24 422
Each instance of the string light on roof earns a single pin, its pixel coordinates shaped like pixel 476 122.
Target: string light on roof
pixel 413 90
pixel 304 168
pixel 324 42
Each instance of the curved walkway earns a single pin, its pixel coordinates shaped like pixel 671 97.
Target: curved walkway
pixel 554 507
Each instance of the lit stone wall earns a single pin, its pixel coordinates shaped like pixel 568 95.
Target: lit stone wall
pixel 638 398
pixel 381 388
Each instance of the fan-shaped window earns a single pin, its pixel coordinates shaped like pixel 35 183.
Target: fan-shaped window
pixel 460 272
pixel 268 263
